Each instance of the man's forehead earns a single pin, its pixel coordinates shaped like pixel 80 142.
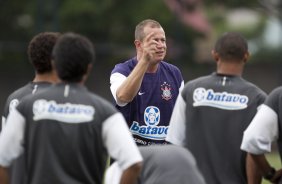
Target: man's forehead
pixel 156 31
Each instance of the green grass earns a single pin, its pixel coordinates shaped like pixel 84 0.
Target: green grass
pixel 274 161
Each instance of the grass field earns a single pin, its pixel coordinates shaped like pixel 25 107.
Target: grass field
pixel 275 162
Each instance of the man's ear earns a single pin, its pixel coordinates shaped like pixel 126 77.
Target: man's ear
pixel 215 55
pixel 89 68
pixel 137 44
pixel 246 57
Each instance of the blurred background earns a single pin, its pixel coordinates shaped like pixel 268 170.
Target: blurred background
pixel 191 26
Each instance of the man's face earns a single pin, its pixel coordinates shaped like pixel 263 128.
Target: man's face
pixel 159 41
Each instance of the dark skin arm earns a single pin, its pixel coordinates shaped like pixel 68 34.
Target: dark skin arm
pixel 130 175
pixel 265 167
pixel 3 175
pixel 254 175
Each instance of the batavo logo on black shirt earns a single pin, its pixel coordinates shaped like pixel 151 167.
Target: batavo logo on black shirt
pixel 221 100
pixel 66 112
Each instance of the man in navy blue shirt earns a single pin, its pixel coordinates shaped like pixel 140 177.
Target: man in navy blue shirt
pixel 145 87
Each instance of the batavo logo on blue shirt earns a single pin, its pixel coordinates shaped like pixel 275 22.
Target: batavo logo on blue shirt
pixel 221 100
pixel 152 117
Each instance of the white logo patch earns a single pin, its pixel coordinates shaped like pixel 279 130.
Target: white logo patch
pixel 140 93
pixel 152 117
pixel 13 104
pixel 221 100
pixel 68 113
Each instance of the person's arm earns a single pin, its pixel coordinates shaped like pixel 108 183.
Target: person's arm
pixel 12 138
pixel 10 105
pixel 130 174
pixel 121 146
pixel 257 140
pixel 254 175
pixel 268 172
pixel 129 88
pixel 2 123
pixel 177 124
pixel 3 175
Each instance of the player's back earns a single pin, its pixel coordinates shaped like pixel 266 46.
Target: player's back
pixel 219 108
pixel 64 135
pixel 17 170
pixel 14 98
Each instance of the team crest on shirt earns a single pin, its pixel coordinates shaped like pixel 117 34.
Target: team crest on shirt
pixel 166 91
pixel 152 117
pixel 221 100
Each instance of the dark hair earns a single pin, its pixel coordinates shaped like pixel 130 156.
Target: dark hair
pixel 40 51
pixel 231 46
pixel 139 29
pixel 72 54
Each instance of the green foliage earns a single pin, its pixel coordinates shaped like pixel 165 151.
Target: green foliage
pixel 110 20
pixel 111 23
pixel 232 3
pixel 266 55
pixel 10 12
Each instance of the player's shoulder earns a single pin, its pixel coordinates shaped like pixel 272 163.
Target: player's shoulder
pixel 20 92
pixel 125 67
pixel 172 69
pixel 198 81
pixel 201 81
pixel 101 103
pixel 42 91
pixel 253 87
pixel 276 92
pixel 168 65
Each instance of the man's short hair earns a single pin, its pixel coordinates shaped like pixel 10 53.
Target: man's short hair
pixel 72 54
pixel 139 29
pixel 40 51
pixel 231 46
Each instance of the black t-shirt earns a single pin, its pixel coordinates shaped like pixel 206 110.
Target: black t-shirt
pixel 63 135
pixel 218 110
pixel 274 101
pixel 17 170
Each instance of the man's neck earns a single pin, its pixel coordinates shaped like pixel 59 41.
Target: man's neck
pixel 49 77
pixel 230 68
pixel 153 68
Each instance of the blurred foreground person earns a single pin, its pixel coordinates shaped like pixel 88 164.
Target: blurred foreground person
pixel 39 53
pixel 163 164
pixel 212 112
pixel 66 131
